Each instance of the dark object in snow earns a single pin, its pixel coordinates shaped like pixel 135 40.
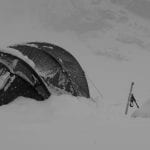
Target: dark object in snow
pixel 37 70
pixel 132 101
pixel 129 98
pixel 17 78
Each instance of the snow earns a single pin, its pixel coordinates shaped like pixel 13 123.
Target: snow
pixel 18 54
pixel 113 54
pixel 144 111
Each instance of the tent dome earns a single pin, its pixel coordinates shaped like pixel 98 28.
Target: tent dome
pixel 43 68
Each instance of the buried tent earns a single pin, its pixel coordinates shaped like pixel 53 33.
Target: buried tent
pixel 40 69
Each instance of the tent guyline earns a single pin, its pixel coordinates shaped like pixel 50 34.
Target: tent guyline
pixel 95 87
pixel 39 69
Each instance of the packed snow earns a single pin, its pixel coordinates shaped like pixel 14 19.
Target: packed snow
pixel 111 42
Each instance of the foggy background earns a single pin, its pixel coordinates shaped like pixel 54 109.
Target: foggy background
pixel 128 19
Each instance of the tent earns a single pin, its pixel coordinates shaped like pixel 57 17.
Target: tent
pixel 41 69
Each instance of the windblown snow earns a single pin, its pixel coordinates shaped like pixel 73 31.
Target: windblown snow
pixel 111 41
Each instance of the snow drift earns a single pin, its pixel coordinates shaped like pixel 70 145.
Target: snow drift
pixel 143 112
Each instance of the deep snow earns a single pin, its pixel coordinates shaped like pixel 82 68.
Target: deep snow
pixel 113 49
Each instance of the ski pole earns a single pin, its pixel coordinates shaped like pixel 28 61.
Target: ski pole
pixel 129 97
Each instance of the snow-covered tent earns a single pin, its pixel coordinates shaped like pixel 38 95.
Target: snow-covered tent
pixel 38 70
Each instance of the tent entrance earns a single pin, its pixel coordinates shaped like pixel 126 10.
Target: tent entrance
pixel 13 86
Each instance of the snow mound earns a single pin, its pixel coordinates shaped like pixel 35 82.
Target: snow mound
pixel 70 106
pixel 143 112
pixel 65 106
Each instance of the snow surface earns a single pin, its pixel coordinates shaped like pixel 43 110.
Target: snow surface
pixel 112 44
pixel 143 112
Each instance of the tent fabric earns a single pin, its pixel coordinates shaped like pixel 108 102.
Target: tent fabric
pixel 57 67
pixel 17 78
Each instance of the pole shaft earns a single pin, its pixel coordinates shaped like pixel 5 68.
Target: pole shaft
pixel 128 102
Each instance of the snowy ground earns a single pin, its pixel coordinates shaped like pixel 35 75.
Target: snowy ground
pixel 112 43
